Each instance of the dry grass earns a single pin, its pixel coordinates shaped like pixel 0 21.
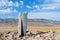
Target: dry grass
pixel 30 28
pixel 6 29
pixel 44 28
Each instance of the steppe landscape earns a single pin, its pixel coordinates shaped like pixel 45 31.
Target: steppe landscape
pixel 29 19
pixel 37 29
pixel 32 24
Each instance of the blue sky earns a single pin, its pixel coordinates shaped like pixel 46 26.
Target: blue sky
pixel 47 9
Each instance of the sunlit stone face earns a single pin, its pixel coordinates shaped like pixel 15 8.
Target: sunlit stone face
pixel 22 25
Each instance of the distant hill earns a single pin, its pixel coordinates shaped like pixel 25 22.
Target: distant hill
pixel 31 21
pixel 44 21
pixel 8 20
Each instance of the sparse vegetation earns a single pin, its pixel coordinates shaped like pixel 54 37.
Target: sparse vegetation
pixel 34 28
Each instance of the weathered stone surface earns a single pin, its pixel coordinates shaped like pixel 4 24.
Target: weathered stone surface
pixel 50 35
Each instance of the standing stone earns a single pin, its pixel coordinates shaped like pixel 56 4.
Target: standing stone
pixel 19 23
pixel 22 24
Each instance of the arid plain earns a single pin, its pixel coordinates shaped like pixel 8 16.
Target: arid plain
pixel 32 25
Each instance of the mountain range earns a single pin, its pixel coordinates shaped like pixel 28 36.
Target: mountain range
pixel 32 21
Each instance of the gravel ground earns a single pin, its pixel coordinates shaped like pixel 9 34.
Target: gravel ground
pixel 34 35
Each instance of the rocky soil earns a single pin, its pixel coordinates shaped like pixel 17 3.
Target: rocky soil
pixel 33 35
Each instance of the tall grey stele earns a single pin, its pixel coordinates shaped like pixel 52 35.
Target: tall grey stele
pixel 22 24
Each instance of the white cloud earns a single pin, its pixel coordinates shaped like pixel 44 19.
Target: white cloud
pixel 6 11
pixel 51 4
pixel 49 8
pixel 14 10
pixel 52 1
pixel 28 6
pixel 8 3
pixel 9 17
pixel 3 3
pixel 36 6
pixel 16 4
pixel 21 2
pixel 58 1
pixel 45 15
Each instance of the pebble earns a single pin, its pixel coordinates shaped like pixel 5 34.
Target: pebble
pixel 31 36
